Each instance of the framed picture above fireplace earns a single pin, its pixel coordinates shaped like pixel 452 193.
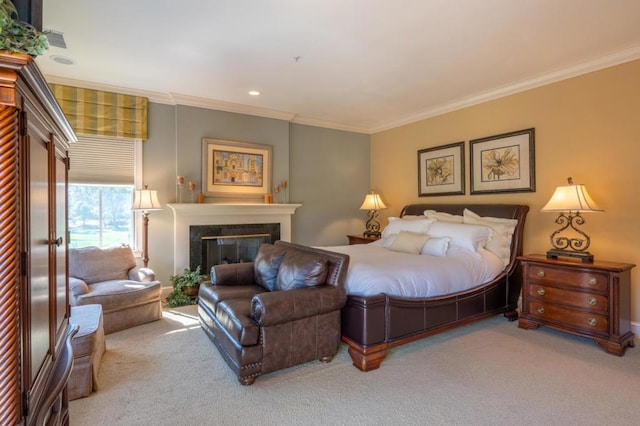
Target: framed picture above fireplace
pixel 235 169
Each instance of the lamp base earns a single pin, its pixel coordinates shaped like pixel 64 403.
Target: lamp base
pixel 372 234
pixel 585 256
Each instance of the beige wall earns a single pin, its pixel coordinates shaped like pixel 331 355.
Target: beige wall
pixel 586 127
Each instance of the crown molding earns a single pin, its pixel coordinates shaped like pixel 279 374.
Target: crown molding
pixel 597 64
pixel 607 61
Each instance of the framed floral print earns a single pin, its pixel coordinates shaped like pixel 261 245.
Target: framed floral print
pixel 503 163
pixel 235 169
pixel 441 170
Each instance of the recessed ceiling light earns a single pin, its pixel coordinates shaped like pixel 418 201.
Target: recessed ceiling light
pixel 254 93
pixel 62 60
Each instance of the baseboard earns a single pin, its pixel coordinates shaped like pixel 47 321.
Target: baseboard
pixel 635 328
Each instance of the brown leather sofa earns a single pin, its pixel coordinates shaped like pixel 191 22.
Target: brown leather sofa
pixel 281 310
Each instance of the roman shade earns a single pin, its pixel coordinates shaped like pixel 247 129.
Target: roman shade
pixel 98 113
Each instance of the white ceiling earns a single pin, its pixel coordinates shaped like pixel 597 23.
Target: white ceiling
pixel 362 65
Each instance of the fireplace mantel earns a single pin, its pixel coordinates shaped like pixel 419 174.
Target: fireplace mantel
pixel 188 214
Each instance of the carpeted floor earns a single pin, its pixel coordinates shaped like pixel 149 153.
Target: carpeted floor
pixel 489 373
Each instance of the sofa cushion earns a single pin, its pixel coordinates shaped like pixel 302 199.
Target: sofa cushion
pixel 300 270
pixel 114 293
pixel 94 264
pixel 266 265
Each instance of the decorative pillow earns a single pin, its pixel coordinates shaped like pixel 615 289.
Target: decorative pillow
pixel 442 216
pixel 266 265
pixel 470 237
pixel 408 242
pixel 397 224
pixel 436 246
pixel 300 270
pixel 500 242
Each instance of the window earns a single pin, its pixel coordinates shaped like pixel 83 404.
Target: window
pixel 102 177
pixel 100 215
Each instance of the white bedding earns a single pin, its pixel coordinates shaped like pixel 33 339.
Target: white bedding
pixel 374 269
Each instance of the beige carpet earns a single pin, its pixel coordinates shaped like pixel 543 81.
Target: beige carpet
pixel 489 373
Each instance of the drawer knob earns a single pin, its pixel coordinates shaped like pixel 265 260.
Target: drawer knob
pixel 592 301
pixel 540 309
pixel 541 291
pixel 592 281
pixel 592 322
pixel 540 273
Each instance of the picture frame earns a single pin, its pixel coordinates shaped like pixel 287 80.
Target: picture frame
pixel 236 169
pixel 503 163
pixel 441 170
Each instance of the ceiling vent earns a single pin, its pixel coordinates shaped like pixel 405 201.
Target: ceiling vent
pixel 56 39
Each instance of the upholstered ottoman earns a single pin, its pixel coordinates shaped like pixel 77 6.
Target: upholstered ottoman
pixel 88 347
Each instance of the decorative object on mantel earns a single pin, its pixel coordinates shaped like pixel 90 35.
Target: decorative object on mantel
pixel 236 169
pixel 268 198
pixel 373 203
pixel 145 200
pixel 192 190
pixel 570 200
pixel 200 198
pixel 17 36
pixel 180 183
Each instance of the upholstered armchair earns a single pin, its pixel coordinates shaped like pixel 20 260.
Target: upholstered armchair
pixel 129 295
pixel 281 310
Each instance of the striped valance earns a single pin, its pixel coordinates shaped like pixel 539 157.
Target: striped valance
pixel 97 113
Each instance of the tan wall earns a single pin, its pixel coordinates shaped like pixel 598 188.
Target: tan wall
pixel 586 127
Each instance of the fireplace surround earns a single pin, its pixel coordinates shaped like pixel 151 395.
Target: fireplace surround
pixel 186 215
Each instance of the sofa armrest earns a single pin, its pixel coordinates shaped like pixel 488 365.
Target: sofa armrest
pixel 278 307
pixel 143 275
pixel 233 274
pixel 77 287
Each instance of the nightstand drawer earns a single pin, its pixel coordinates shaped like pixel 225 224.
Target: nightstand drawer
pixel 578 299
pixel 584 321
pixel 589 280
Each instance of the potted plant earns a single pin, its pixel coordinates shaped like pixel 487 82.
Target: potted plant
pixel 18 36
pixel 185 287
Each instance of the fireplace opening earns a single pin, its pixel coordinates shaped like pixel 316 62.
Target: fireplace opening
pixel 232 248
pixel 217 244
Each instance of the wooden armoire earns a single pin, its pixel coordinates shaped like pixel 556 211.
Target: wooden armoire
pixel 35 335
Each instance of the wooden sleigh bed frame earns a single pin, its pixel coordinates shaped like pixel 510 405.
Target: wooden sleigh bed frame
pixel 371 325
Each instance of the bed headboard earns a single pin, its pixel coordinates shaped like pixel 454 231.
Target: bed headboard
pixel 507 211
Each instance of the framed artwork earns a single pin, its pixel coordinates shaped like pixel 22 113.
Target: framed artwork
pixel 503 163
pixel 441 170
pixel 235 169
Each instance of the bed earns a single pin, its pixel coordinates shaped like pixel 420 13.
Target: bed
pixel 374 323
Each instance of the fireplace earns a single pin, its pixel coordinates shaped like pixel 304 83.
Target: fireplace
pixel 187 215
pixel 215 244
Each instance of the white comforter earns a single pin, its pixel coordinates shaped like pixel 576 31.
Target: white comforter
pixel 374 269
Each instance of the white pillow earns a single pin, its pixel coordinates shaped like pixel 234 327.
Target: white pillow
pixel 408 242
pixel 469 237
pixel 442 216
pixel 436 246
pixel 412 225
pixel 500 242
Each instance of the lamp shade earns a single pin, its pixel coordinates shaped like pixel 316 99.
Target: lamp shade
pixel 372 202
pixel 146 200
pixel 573 198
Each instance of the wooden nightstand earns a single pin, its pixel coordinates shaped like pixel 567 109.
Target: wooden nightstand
pixel 587 299
pixel 361 239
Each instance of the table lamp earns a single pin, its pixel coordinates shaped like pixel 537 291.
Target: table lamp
pixel 373 203
pixel 570 200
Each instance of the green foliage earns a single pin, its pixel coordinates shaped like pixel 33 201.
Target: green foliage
pixel 17 36
pixel 188 279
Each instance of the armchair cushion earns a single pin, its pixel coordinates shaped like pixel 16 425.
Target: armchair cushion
pixel 300 270
pixel 267 264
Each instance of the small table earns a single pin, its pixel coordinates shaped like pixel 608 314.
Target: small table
pixel 586 299
pixel 361 239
